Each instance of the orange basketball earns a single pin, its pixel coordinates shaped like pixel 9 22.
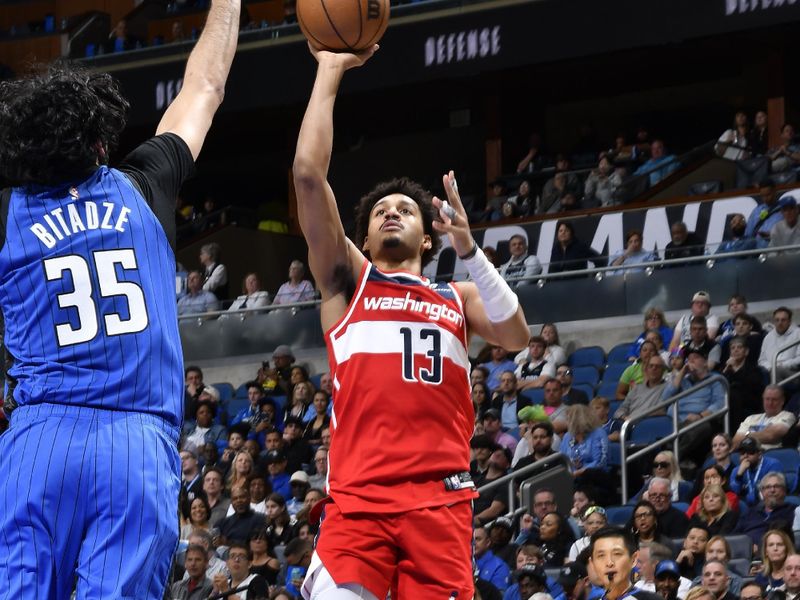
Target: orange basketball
pixel 343 25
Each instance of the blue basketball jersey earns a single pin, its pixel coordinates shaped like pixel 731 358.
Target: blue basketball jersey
pixel 87 292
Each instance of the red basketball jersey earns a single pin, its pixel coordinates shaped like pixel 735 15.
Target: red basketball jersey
pixel 402 412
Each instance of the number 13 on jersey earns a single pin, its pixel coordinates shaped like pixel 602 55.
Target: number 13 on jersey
pixel 429 343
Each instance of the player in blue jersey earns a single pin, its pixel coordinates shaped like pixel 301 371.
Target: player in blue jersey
pixel 90 468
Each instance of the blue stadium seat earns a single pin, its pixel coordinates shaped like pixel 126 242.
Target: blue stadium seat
pixel 613 404
pixel 614 454
pixel 683 507
pixel 241 392
pixel 225 390
pixel 586 388
pixel 586 374
pixel 593 356
pixel 614 372
pixel 235 405
pixel 619 515
pixel 535 395
pixel 794 500
pixel 651 429
pixel 608 389
pixel 741 546
pixel 315 379
pixel 790 459
pixel 618 354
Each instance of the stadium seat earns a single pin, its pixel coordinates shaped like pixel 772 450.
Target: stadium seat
pixel 593 356
pixel 585 374
pixel 618 354
pixel 613 405
pixel 241 392
pixel 650 429
pixel 608 389
pixel 614 454
pixel 741 546
pixel 586 388
pixel 315 379
pixel 225 390
pixel 619 515
pixel 535 395
pixel 705 187
pixel 740 566
pixel 681 506
pixel 784 177
pixel 615 371
pixel 237 404
pixel 790 459
pixel 794 500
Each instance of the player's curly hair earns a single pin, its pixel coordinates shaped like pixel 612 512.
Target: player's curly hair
pixel 407 187
pixel 54 121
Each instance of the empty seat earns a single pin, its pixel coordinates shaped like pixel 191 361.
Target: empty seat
pixel 614 372
pixel 594 356
pixel 585 374
pixel 705 187
pixel 586 388
pixel 618 354
pixel 535 395
pixel 225 390
pixel 650 429
pixel 619 515
pixel 741 546
pixel 790 460
pixel 608 389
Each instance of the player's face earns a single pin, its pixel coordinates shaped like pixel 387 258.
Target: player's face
pixel 612 561
pixel 396 229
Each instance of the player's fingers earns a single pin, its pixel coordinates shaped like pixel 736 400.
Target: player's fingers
pixel 451 187
pixel 446 212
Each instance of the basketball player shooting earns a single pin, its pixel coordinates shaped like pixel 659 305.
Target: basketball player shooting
pixel 90 469
pixel 400 512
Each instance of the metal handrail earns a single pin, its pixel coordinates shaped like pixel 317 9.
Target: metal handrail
pixel 774 370
pixel 511 479
pixel 243 311
pixel 678 430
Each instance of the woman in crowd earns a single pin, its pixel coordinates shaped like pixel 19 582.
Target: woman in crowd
pixel 712 475
pixel 300 398
pixel 238 563
pixel 280 527
pixel 571 254
pixel 297 374
pixel 721 449
pixel 775 547
pixel 644 524
pixel 634 374
pixel 653 319
pixel 202 429
pixel 242 467
pixel 602 183
pixel 481 399
pixel 199 517
pixel 313 430
pixel 699 593
pixel 586 445
pixel 718 548
pixel 666 465
pixel 555 538
pixel 264 562
pixel 633 254
pixel 594 519
pixel 252 295
pixel 554 353
pixel 714 512
pixel 582 498
pixel 733 143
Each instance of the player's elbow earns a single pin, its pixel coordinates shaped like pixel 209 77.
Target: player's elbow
pixel 307 178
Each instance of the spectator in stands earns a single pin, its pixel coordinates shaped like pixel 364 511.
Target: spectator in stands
pixel 601 185
pixel 753 467
pixel 300 397
pixel 481 450
pixel 536 370
pixel 241 469
pixel 643 397
pixel 491 504
pixel 654 319
pixel 500 532
pixel 786 232
pixel 313 428
pixel 555 539
pixel 594 518
pixel 690 558
pixel 530 581
pixel 764 216
pixel 237 527
pixel 508 402
pixel 738 242
pixel 213 489
pixel 662 574
pixel 197 586
pixel 748 329
pixel 252 295
pixel 289 12
pixel 193 377
pixel 660 165
pixel 498 196
pixel 554 353
pixel 554 405
pixel 479 374
pixel 713 475
pixel 177 33
pixel 522 204
pixel 635 373
pixel 251 414
pixel 521 264
pixel 602 410
pixel 718 549
pixel 737 305
pixel 671 521
pixel 278 478
pixel 537 443
pixel 758 140
pixel 191 480
pixel 215 275
pixel 199 517
pixel 714 513
pixel 633 253
pixel 283 359
pixel 492 428
pixel 772 512
pixel 544 502
pixel 644 524
pixel 499 364
pixel 715 580
pixel 202 429
pixel 481 400
pixel 320 477
pixel 299 484
pixel 571 254
pixel 683 244
pixel 745 381
pixel 786 155
pixel 569 395
pixel 119 40
pixel 264 561
pixel 770 426
pixel 560 184
pixel 490 567
pixel 791 576
pixel 239 562
pixel 665 465
pixel 700 307
pixel 784 333
pixel 700 341
pixel 296 289
pixel 299 453
pixel 586 445
pixel 197 300
pixel 775 548
pixel 733 143
pixel 533 161
pixel 280 527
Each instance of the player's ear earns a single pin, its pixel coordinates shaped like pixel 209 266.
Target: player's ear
pixel 365 244
pixel 427 243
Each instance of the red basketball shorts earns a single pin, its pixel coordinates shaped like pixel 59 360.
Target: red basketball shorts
pixel 425 553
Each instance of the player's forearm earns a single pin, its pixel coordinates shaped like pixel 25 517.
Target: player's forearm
pixel 210 61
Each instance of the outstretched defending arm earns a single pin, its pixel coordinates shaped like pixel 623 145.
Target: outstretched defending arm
pixel 329 248
pixel 491 307
pixel 190 114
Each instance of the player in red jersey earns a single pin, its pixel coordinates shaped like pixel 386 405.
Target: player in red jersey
pixel 400 511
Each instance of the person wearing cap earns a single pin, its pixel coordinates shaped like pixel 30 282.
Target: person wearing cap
pixel 668 580
pixel 283 360
pixel 701 307
pixel 739 242
pixel 700 341
pixel 278 478
pixel 783 334
pixel 764 216
pixel 651 556
pixel 696 405
pixel 299 453
pixel 773 512
pixel 574 578
pixel 299 485
pixel 786 232
pixel 500 532
pixel 492 427
pixel 753 467
pixel 490 568
pixel 491 504
pixel 482 448
pixel 770 426
pixel 529 579
pixel 521 264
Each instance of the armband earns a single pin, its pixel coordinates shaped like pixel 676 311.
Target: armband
pixel 499 301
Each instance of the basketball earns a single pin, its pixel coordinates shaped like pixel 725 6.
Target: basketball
pixel 343 25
